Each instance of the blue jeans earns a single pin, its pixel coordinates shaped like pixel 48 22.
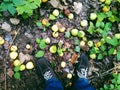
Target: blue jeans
pixel 80 84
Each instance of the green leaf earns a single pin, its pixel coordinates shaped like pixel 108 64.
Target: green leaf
pixel 59 51
pixel 91 28
pixel 67 34
pixel 37 40
pixel 37 2
pixel 17 68
pixel 39 54
pixel 42 44
pixel 52 17
pixel 118 55
pixel 77 42
pixel 17 75
pixel 39 24
pixel 18 2
pixel 101 16
pixel 111 51
pixel 113 41
pixel 111 86
pixel 103 47
pixel 6 0
pixel 100 56
pixel 77 48
pixel 11 9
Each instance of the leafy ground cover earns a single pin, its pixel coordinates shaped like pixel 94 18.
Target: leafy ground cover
pixel 60 31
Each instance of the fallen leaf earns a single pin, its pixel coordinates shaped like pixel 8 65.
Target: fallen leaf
pixel 14 21
pixel 6 27
pixel 10 72
pixel 74 58
pixel 77 7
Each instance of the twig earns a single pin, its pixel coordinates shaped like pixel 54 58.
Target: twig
pixel 5 59
pixel 106 72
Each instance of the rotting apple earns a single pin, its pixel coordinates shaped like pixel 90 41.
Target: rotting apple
pixel 13 48
pixel 55 34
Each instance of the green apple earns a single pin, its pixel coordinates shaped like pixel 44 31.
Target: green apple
pixel 70 16
pixel 117 35
pixel 81 33
pixel 90 43
pixel 74 32
pixel 93 16
pixel 54 28
pixel 55 12
pixel 53 49
pixel 84 23
pixel 108 2
pixel 92 56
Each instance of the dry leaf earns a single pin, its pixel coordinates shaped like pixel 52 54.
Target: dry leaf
pixel 56 4
pixel 10 72
pixel 74 58
pixel 77 7
pixel 24 57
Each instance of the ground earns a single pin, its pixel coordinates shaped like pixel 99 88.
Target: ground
pixel 27 31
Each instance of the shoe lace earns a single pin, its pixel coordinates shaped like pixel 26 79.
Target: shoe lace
pixel 82 73
pixel 48 75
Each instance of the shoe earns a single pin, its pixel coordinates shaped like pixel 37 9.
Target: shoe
pixel 44 69
pixel 81 67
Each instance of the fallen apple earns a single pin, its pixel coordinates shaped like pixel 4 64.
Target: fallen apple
pixel 81 33
pixel 84 23
pixel 106 8
pixel 45 21
pixel 90 43
pixel 55 12
pixel 13 48
pixel 44 1
pixel 29 65
pixel 63 64
pixel 117 35
pixel 22 67
pixel 54 28
pixel 93 16
pixel 13 55
pixel 61 29
pixel 47 40
pixel 74 32
pixel 1 40
pixel 61 54
pixel 55 34
pixel 53 49
pixel 69 75
pixel 108 2
pixel 28 46
pixel 115 52
pixel 101 0
pixel 16 62
pixel 92 56
pixel 70 16
pixel 82 43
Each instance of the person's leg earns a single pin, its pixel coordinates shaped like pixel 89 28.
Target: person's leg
pixel 81 73
pixel 45 71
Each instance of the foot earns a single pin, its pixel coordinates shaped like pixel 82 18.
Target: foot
pixel 44 69
pixel 82 66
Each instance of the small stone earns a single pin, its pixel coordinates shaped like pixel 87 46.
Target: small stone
pixel 5 26
pixel 14 21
